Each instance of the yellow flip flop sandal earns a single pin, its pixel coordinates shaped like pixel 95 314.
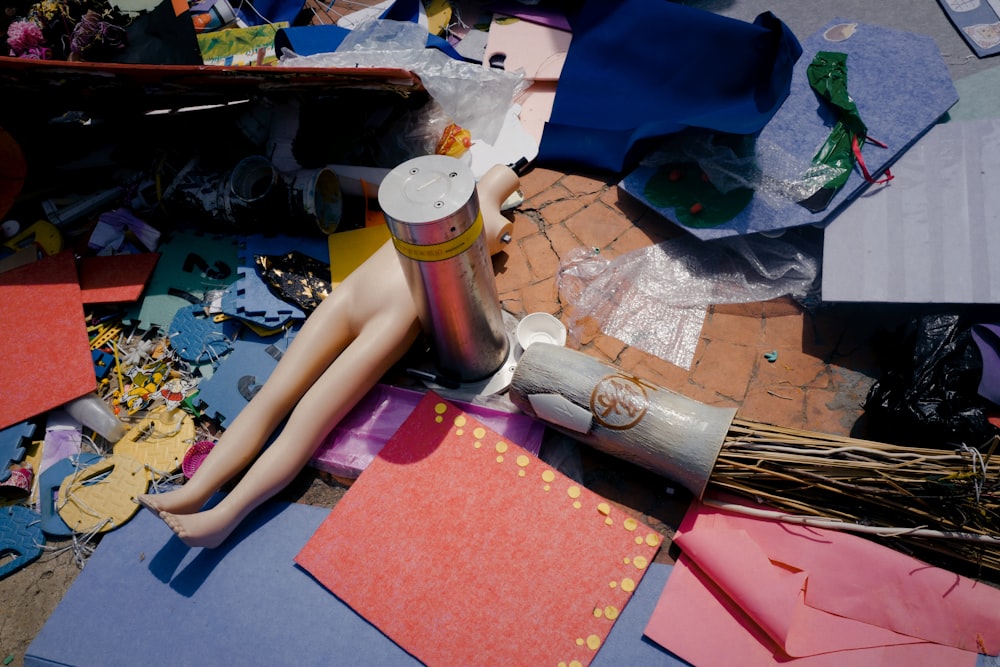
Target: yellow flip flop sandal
pixel 100 497
pixel 159 441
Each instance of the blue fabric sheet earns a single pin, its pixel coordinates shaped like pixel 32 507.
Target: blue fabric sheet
pixel 639 70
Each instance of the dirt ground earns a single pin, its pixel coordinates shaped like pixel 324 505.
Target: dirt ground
pixel 31 594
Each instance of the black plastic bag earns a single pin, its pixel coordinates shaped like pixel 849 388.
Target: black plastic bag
pixel 927 395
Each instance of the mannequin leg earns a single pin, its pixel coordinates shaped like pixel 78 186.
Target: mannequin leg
pixel 337 390
pixel 324 335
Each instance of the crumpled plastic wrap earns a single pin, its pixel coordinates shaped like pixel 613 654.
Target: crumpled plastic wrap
pixel 655 298
pixel 771 172
pixel 475 97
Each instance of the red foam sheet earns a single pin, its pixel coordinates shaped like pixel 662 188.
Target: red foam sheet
pixel 466 549
pixel 116 278
pixel 45 358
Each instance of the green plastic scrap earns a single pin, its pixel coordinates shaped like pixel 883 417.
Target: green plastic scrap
pixel 827 75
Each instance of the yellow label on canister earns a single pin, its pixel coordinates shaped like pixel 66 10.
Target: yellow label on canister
pixel 441 251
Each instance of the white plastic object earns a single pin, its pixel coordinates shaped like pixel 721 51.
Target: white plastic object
pixel 95 414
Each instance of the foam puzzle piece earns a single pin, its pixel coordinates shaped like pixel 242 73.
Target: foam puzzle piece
pixel 254 301
pixel 158 441
pixel 897 109
pixel 20 537
pixel 241 373
pixel 42 312
pixel 477 551
pixel 198 338
pixel 191 264
pixel 213 597
pixel 115 278
pixel 100 498
pixel 13 441
pixel 49 483
pixel 360 435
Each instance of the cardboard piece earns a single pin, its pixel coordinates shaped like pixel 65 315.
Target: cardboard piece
pixel 115 278
pixel 477 551
pixel 931 234
pixel 758 592
pixel 45 358
pixel 898 109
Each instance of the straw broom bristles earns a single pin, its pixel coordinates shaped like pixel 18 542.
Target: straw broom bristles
pixel 940 504
pixel 929 501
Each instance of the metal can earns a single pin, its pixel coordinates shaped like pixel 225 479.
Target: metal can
pixel 433 213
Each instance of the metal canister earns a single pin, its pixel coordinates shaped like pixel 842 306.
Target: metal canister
pixel 433 213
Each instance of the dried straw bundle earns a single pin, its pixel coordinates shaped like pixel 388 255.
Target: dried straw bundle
pixel 942 505
pixel 945 502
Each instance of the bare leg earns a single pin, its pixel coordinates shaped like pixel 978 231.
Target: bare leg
pixel 326 333
pixel 344 348
pixel 363 327
pixel 365 361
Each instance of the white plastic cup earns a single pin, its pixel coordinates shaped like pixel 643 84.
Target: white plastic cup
pixel 540 328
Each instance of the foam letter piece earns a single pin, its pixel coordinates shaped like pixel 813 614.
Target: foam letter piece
pixel 464 548
pixel 45 358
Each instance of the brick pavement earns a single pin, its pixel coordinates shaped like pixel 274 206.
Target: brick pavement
pixel 823 365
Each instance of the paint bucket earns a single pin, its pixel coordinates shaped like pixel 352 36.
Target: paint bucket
pixel 315 199
pixel 432 210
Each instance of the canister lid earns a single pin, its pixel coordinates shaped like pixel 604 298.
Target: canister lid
pixel 426 189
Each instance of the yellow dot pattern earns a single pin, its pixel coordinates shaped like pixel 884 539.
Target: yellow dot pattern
pixel 603 614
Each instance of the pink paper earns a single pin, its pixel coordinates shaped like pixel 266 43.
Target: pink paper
pixel 777 592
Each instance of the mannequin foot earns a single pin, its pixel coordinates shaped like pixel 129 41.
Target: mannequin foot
pixel 203 529
pixel 179 501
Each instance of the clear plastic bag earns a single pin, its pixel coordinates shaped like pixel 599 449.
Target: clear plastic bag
pixel 654 298
pixel 475 97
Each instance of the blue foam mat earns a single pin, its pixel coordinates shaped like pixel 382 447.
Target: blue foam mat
pixel 145 598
